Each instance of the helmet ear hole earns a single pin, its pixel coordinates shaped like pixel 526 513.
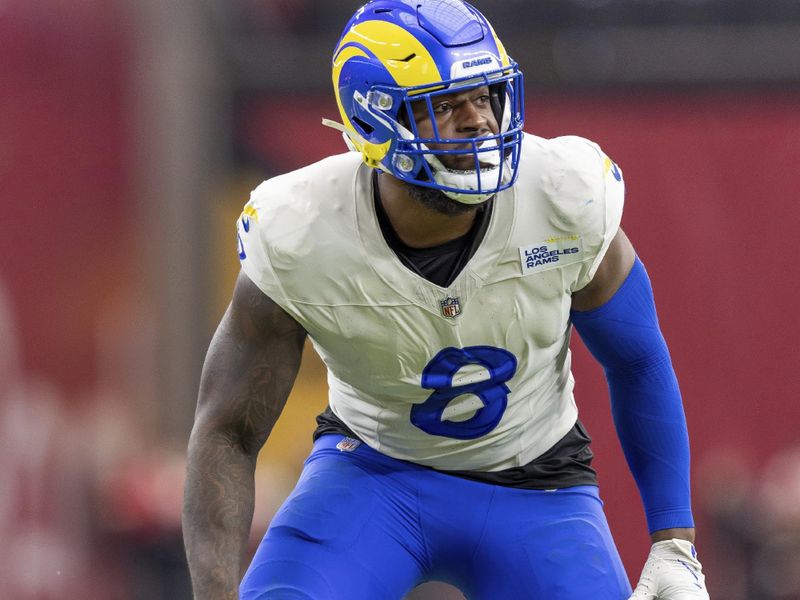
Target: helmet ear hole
pixel 363 125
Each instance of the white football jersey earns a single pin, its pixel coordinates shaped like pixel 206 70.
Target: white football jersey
pixel 475 376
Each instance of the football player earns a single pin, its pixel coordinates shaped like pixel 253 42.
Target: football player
pixel 438 269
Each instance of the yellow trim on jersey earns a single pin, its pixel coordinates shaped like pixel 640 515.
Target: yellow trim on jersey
pixel 392 44
pixel 251 212
pixel 562 238
pixel 607 166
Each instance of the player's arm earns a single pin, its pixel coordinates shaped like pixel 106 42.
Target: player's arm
pixel 616 317
pixel 249 370
pixel 627 358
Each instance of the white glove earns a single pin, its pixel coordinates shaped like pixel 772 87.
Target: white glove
pixel 672 572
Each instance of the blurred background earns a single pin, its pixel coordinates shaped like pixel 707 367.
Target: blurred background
pixel 130 136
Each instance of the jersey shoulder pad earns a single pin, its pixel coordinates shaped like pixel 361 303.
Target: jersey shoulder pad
pixel 583 185
pixel 586 193
pixel 298 198
pixel 288 215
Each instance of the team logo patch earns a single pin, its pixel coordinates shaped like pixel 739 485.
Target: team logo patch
pixel 611 167
pixel 451 307
pixel 348 444
pixel 553 252
pixel 248 214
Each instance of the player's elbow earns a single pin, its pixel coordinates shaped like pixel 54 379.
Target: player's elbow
pixel 210 431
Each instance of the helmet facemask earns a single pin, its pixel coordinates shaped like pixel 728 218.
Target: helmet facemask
pixel 377 103
pixel 493 157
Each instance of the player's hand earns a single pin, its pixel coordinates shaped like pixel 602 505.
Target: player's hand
pixel 672 572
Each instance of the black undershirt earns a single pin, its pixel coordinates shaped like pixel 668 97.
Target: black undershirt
pixel 565 464
pixel 438 264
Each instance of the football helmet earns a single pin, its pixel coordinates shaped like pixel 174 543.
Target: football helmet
pixel 396 53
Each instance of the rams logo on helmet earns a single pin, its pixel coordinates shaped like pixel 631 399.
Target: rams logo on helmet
pixel 397 52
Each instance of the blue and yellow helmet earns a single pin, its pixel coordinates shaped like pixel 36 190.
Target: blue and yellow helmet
pixel 394 53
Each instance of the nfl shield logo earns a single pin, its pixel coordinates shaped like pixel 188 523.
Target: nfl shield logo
pixel 348 444
pixel 451 307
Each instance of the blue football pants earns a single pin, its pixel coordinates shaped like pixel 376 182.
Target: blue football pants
pixel 360 525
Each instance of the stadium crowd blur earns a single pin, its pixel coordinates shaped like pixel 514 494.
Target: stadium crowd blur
pixel 130 134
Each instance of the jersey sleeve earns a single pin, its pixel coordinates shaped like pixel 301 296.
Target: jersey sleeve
pixel 253 247
pixel 591 192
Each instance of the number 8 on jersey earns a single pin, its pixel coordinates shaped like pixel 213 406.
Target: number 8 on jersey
pixel 493 392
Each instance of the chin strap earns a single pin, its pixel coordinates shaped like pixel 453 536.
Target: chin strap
pixel 345 134
pixel 468 180
pixel 372 154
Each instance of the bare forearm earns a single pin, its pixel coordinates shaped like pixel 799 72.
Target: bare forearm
pixel 250 366
pixel 217 514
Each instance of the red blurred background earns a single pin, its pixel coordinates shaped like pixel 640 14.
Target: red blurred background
pixel 93 431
